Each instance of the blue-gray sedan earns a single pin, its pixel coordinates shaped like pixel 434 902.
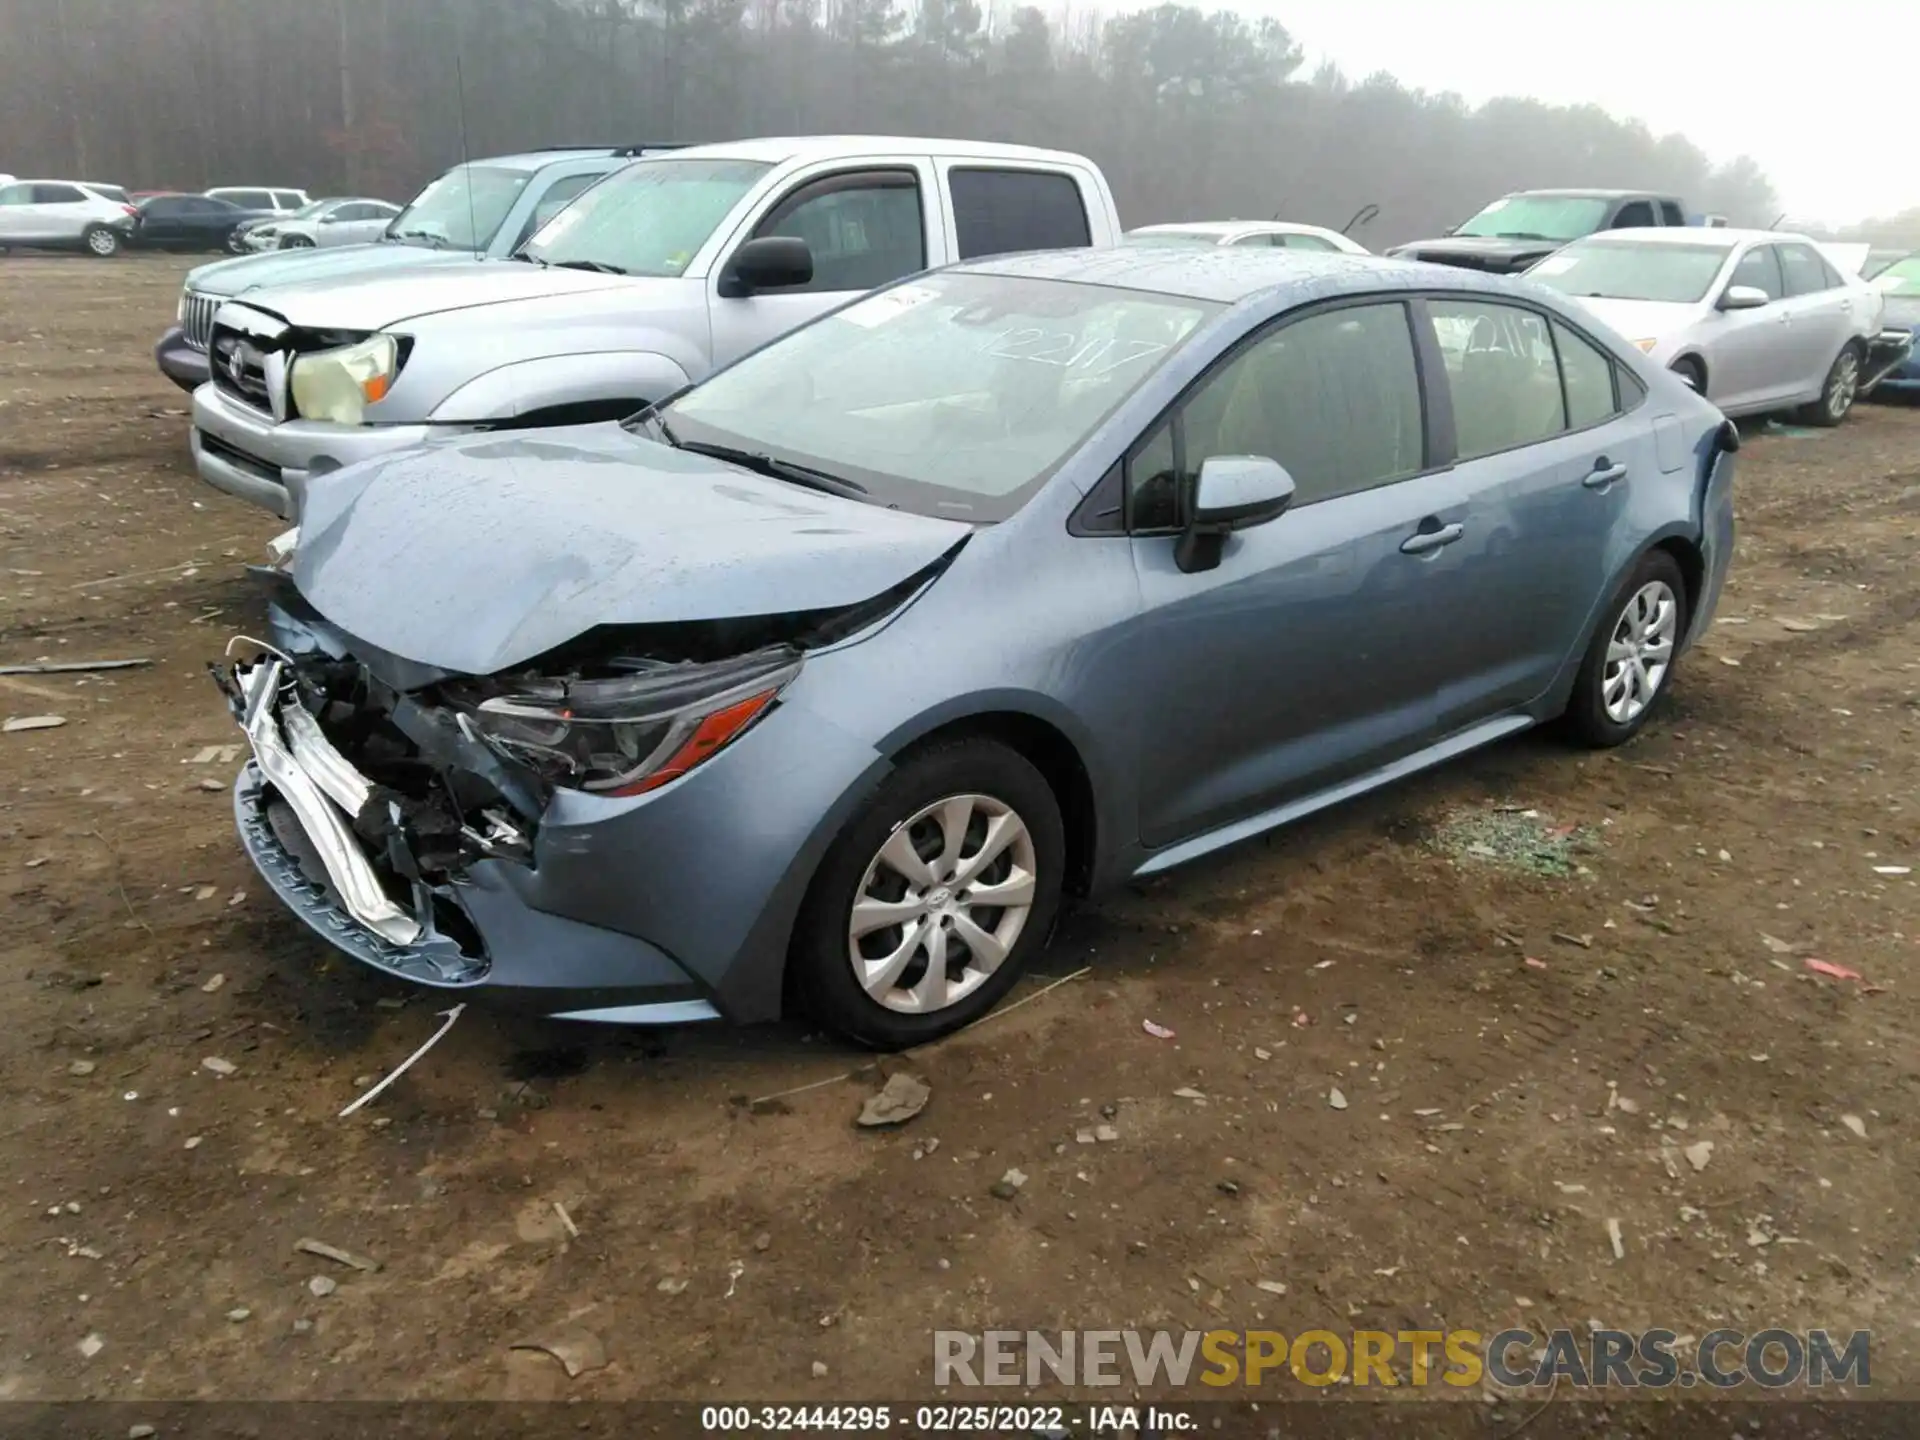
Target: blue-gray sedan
pixel 827 679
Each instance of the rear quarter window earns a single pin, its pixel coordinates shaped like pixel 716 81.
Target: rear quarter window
pixel 998 211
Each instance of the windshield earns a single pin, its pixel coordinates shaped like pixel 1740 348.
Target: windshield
pixel 1622 270
pixel 954 395
pixel 1900 278
pixel 1188 238
pixel 462 209
pixel 647 219
pixel 1538 217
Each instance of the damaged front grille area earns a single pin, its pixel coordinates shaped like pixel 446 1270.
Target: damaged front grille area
pixel 355 826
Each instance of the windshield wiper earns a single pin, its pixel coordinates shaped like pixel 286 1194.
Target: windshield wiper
pixel 764 464
pixel 599 267
pixel 1529 235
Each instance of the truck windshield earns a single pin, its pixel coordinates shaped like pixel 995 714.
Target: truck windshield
pixel 648 219
pixel 462 209
pixel 1538 217
pixel 1600 269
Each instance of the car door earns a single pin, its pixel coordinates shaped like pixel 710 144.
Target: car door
pixel 363 221
pixel 1821 308
pixel 1546 461
pixel 160 220
pixel 865 227
pixel 60 212
pixel 1307 654
pixel 206 221
pixel 1750 357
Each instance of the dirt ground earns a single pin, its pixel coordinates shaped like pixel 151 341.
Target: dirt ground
pixel 1475 1015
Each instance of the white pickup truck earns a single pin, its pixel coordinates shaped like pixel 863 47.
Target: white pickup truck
pixel 654 277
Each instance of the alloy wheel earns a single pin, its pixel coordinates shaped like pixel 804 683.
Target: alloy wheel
pixel 102 242
pixel 1640 653
pixel 1845 387
pixel 942 904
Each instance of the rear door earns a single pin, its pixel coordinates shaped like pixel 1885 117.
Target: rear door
pixel 867 225
pixel 1308 654
pixel 1822 309
pixel 160 220
pixel 1546 457
pixel 207 221
pixel 1750 355
pixel 364 221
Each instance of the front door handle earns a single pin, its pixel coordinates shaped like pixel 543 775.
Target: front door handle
pixel 1604 475
pixel 1426 541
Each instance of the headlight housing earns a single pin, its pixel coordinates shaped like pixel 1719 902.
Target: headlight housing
pixel 339 384
pixel 631 733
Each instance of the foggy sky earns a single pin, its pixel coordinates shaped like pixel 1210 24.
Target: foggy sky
pixel 1825 97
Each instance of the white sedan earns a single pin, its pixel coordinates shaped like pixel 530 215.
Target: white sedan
pixel 1273 234
pixel 1755 320
pixel 324 223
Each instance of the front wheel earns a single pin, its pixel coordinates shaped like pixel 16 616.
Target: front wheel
pixel 1630 659
pixel 296 242
pixel 236 245
pixel 1840 391
pixel 934 898
pixel 101 241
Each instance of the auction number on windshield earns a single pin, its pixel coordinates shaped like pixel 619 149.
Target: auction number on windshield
pixel 1068 351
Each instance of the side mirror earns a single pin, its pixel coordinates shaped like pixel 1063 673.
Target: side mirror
pixel 1743 297
pixel 771 262
pixel 1232 492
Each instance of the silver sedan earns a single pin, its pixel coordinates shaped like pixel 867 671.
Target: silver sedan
pixel 1755 320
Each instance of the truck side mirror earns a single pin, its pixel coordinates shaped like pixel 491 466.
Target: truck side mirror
pixel 768 262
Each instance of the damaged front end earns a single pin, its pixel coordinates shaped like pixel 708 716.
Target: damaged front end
pixel 391 804
pixel 1887 352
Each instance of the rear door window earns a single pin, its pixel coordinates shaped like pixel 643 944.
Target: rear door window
pixel 996 212
pixel 1670 213
pixel 1503 374
pixel 288 199
pixel 1587 375
pixel 57 195
pixel 1806 273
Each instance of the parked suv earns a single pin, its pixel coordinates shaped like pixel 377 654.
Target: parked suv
pixel 257 197
pixel 1518 230
pixel 485 208
pixel 63 215
pixel 675 266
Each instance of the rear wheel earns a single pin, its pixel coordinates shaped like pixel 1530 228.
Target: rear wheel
pixel 1629 662
pixel 295 242
pixel 934 898
pixel 102 241
pixel 1840 391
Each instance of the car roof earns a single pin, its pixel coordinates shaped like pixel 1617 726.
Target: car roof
pixel 778 149
pixel 1229 227
pixel 1598 194
pixel 1227 275
pixel 536 159
pixel 1718 237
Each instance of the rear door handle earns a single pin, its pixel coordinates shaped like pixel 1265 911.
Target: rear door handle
pixel 1604 475
pixel 1425 541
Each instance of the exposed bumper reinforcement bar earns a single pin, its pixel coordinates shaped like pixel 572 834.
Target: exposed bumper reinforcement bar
pixel 1886 353
pixel 313 778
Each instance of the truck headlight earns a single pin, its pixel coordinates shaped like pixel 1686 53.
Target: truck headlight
pixel 180 310
pixel 339 384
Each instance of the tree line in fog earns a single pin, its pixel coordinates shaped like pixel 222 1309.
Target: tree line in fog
pixel 1193 115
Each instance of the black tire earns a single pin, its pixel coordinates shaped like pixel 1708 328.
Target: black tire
pixel 821 965
pixel 233 244
pixel 1841 390
pixel 101 240
pixel 295 242
pixel 1587 718
pixel 1689 369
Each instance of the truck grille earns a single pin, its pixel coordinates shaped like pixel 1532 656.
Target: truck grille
pixel 238 368
pixel 196 321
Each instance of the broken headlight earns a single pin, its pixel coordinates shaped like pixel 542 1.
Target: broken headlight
pixel 340 383
pixel 630 733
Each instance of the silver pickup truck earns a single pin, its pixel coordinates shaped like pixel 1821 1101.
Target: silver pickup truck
pixel 655 276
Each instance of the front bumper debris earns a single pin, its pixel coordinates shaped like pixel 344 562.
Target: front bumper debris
pixel 1887 352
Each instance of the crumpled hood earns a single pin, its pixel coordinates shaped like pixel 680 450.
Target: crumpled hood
pixel 1640 319
pixel 383 298
pixel 473 556
pixel 1479 252
pixel 292 267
